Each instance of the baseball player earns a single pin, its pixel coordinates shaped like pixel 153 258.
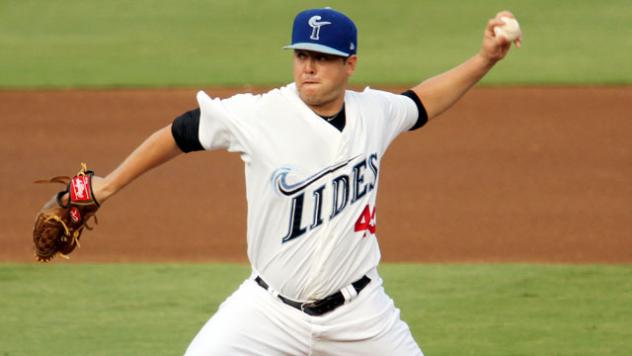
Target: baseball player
pixel 312 152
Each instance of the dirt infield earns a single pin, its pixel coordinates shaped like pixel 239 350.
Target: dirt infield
pixel 508 175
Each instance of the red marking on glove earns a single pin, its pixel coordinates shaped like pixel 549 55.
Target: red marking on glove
pixel 80 189
pixel 75 215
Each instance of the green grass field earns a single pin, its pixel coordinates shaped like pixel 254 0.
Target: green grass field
pixel 140 43
pixel 138 309
pixel 121 309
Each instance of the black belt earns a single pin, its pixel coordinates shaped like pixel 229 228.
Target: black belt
pixel 322 306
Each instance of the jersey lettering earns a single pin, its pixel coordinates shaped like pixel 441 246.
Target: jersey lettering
pixel 340 194
pixel 358 180
pixel 373 166
pixel 295 218
pixel 318 207
pixel 344 190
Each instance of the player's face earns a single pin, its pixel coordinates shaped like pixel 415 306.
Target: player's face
pixel 321 79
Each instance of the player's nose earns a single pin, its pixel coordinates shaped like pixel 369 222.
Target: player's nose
pixel 309 66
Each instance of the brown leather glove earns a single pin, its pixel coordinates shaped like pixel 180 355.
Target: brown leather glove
pixel 60 222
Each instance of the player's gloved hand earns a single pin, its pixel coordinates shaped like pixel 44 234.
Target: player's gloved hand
pixel 60 222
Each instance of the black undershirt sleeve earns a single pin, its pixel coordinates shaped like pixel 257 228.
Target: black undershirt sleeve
pixel 185 130
pixel 423 115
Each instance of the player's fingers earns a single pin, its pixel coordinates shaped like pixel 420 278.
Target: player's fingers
pixel 489 29
pixel 495 22
pixel 505 13
pixel 518 42
pixel 501 40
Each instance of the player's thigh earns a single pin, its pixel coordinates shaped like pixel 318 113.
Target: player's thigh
pixel 370 325
pixel 251 322
pixel 397 341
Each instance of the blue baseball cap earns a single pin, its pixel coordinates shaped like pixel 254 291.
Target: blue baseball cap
pixel 325 31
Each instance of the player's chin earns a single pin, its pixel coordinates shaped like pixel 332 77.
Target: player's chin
pixel 310 94
pixel 310 100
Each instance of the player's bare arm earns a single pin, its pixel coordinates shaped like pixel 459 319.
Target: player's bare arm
pixel 157 149
pixel 439 93
pixel 61 221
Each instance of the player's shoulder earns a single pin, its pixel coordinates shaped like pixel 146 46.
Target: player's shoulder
pixel 373 96
pixel 244 107
pixel 243 104
pixel 246 98
pixel 368 91
pixel 236 98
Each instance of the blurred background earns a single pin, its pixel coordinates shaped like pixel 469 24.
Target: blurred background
pixel 512 211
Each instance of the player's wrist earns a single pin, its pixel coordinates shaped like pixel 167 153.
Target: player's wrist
pixel 102 188
pixel 485 61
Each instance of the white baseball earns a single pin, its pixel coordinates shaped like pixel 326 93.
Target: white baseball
pixel 510 30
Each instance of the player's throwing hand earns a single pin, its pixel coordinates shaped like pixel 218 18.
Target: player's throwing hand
pixel 494 47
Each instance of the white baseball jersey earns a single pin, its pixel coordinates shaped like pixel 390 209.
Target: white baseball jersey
pixel 311 188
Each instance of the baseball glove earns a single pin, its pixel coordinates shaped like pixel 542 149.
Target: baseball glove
pixel 60 222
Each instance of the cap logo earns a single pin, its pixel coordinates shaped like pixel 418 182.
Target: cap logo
pixel 316 24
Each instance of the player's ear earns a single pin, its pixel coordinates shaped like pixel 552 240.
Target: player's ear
pixel 350 63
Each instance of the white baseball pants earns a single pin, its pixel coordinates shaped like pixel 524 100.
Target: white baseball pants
pixel 254 322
